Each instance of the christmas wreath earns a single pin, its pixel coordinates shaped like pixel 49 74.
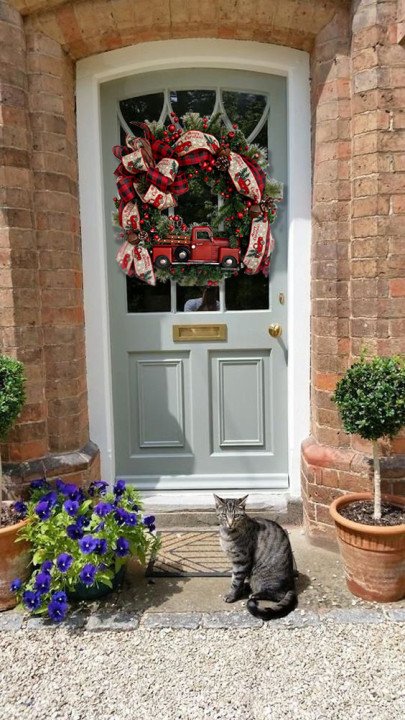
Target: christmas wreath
pixel 169 161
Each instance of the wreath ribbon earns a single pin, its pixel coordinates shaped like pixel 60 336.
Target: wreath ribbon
pixel 135 260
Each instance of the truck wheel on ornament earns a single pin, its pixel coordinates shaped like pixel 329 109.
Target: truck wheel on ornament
pixel 162 262
pixel 229 262
pixel 182 254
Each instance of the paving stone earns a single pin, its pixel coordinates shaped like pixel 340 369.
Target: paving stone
pixel 301 618
pixel 40 623
pixel 102 621
pixel 11 620
pixel 355 615
pixel 230 620
pixel 73 621
pixel 189 621
pixel 396 614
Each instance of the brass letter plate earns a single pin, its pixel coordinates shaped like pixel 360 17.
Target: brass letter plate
pixel 199 333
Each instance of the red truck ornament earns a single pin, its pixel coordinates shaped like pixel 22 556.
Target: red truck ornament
pixel 200 247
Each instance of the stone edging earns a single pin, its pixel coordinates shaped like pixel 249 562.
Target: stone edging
pixel 123 620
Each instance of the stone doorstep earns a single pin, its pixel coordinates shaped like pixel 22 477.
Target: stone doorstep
pixel 201 518
pixel 106 620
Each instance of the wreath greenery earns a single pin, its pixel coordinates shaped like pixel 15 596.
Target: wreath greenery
pixel 232 218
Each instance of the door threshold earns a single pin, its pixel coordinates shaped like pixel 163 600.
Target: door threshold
pixel 197 509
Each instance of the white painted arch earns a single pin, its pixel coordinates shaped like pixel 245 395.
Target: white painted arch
pixel 169 55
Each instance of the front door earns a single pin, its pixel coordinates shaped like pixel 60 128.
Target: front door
pixel 190 412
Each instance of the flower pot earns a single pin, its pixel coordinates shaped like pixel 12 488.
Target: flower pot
pixel 373 556
pixel 98 590
pixel 14 562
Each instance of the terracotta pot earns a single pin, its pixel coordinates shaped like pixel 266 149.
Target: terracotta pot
pixel 373 557
pixel 14 562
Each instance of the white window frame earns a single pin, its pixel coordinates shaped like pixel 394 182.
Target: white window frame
pixel 171 55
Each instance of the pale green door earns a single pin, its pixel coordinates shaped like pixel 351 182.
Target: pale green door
pixel 199 415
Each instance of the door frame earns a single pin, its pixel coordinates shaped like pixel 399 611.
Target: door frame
pixel 171 55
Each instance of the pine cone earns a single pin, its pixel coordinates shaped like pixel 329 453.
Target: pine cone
pixel 222 163
pixel 143 236
pixel 255 211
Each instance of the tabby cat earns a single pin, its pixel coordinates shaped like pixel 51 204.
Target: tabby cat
pixel 260 552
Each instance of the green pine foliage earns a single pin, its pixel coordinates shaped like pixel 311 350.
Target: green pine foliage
pixel 371 397
pixel 12 393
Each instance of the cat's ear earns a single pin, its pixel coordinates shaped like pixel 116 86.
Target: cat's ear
pixel 218 501
pixel 242 501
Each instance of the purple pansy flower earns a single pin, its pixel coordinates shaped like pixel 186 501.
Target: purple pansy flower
pixel 82 521
pixel 38 484
pixel 50 497
pixel 87 544
pixel 122 547
pixel 47 566
pixel 149 520
pixel 119 488
pixel 87 574
pixel 57 610
pixel 101 548
pixel 42 582
pixel 43 509
pixel 71 507
pixel 131 519
pixel 59 597
pixel 64 561
pixel 16 585
pixel 74 531
pixel 102 509
pixel 99 487
pixel 20 508
pixel 31 599
pixel 121 516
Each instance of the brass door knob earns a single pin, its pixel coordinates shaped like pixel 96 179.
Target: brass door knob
pixel 275 330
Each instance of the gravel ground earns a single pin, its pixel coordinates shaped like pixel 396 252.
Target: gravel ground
pixel 324 672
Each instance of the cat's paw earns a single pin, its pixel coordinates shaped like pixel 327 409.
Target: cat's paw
pixel 230 598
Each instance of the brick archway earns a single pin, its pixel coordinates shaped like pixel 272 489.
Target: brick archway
pixel 357 283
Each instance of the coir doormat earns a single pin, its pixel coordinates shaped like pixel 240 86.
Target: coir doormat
pixel 189 554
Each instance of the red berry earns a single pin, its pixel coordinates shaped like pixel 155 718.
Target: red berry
pixel 235 126
pixel 231 134
pixel 172 128
pixel 240 215
pixel 142 222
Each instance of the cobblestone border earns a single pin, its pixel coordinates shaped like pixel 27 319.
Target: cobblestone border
pixel 124 620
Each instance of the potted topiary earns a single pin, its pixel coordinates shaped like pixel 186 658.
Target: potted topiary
pixel 82 541
pixel 14 558
pixel 371 534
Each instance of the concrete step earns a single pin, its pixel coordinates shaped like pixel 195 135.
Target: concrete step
pixel 176 518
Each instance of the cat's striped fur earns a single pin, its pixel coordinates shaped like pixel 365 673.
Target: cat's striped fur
pixel 260 553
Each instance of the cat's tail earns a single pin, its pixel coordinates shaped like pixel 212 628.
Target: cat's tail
pixel 279 609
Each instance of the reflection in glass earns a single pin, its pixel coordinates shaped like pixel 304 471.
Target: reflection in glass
pixel 139 109
pixel 245 109
pixel 195 299
pixel 143 298
pixel 247 292
pixel 199 101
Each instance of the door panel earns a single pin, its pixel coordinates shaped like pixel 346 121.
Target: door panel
pixel 203 414
pixel 238 424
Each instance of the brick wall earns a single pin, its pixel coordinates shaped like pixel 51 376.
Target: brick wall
pixel 362 271
pixel 42 320
pixel 357 282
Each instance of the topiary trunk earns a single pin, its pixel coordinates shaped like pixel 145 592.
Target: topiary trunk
pixel 377 482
